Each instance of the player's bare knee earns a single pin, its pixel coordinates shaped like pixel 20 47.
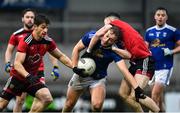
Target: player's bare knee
pixel 48 100
pixel 3 103
pixel 156 97
pixel 20 101
pixel 2 106
pixel 97 105
pixel 69 104
pixel 122 95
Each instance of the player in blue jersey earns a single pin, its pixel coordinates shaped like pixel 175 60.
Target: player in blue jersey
pixel 163 41
pixel 96 83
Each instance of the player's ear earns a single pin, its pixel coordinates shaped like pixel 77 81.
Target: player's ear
pixel 22 19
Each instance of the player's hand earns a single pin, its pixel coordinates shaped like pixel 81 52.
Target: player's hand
pixel 101 32
pixel 139 94
pixel 87 55
pixel 8 67
pixel 79 71
pixel 32 79
pixel 55 73
pixel 167 51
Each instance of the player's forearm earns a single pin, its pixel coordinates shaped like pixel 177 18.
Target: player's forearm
pixel 75 57
pixel 176 50
pixel 8 56
pixel 127 75
pixel 92 43
pixel 66 61
pixel 20 69
pixel 9 52
pixel 53 60
pixel 123 53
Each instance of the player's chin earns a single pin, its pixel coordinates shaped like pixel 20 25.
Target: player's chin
pixel 103 43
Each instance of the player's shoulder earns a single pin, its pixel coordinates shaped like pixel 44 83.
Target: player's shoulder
pixel 150 28
pixel 170 27
pixel 28 39
pixel 47 38
pixel 19 31
pixel 90 34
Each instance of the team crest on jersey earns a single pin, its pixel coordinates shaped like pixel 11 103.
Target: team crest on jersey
pixel 31 48
pixel 34 59
pixel 164 34
pixel 98 53
pixel 156 42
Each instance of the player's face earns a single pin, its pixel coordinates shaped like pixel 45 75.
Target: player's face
pixel 108 39
pixel 41 30
pixel 160 17
pixel 28 19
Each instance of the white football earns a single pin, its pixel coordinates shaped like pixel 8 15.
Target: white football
pixel 88 64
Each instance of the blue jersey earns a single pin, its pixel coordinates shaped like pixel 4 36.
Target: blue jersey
pixel 159 38
pixel 103 57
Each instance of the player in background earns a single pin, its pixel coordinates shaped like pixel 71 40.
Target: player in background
pixel 24 74
pixel 96 83
pixel 164 42
pixel 141 62
pixel 28 16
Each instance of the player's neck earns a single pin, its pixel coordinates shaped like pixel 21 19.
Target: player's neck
pixel 35 36
pixel 160 26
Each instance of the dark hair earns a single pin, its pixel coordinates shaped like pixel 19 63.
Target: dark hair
pixel 117 31
pixel 162 8
pixel 113 14
pixel 27 10
pixel 40 18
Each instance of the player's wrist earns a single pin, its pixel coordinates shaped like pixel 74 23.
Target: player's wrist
pixel 28 75
pixel 8 62
pixel 88 50
pixel 56 67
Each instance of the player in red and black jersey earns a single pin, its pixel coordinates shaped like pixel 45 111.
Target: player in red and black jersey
pixel 134 48
pixel 24 73
pixel 28 21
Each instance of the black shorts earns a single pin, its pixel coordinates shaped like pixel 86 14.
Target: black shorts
pixel 144 66
pixel 15 87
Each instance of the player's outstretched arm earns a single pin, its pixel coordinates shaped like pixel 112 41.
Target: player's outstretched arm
pixel 62 57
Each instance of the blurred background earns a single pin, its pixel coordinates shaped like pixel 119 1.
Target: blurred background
pixel 70 19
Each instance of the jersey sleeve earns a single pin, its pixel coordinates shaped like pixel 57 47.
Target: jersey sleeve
pixel 146 36
pixel 116 57
pixel 22 46
pixel 52 46
pixel 87 38
pixel 13 40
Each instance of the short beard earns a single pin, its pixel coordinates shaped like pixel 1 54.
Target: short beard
pixel 29 26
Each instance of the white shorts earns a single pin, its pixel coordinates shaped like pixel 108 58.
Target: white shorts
pixel 162 76
pixel 79 83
